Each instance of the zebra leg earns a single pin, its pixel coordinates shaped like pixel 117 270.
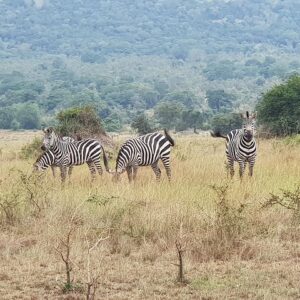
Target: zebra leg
pixel 251 165
pixel 63 173
pixel 156 170
pixel 166 163
pixel 129 171
pixel 98 166
pixel 53 171
pixel 242 168
pixel 70 171
pixel 92 169
pixel 230 165
pixel 134 171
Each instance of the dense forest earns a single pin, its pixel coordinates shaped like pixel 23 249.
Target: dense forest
pixel 181 64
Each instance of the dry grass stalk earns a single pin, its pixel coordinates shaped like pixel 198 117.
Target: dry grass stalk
pixel 92 279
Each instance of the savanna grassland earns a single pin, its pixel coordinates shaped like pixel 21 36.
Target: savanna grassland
pixel 122 238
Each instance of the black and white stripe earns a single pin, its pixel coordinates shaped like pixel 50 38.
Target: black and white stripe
pixel 241 145
pixel 47 159
pixel 70 153
pixel 145 150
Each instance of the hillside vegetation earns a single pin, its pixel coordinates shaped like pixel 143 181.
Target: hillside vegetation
pixel 130 57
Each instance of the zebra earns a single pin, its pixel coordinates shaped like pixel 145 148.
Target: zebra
pixel 144 150
pixel 241 145
pixel 70 153
pixel 47 159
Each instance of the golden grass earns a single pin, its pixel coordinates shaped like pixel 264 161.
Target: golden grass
pixel 256 258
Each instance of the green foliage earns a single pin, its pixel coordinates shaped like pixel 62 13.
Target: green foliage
pixel 168 114
pixel 6 118
pixel 218 100
pixel 191 119
pixel 15 125
pixel 226 122
pixel 279 108
pixel 28 116
pixel 113 123
pixel 67 62
pixel 141 124
pixel 79 121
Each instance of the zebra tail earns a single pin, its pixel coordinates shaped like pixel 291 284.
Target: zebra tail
pixel 169 138
pixel 218 134
pixel 105 160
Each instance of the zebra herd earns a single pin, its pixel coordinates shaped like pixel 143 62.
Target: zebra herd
pixel 145 150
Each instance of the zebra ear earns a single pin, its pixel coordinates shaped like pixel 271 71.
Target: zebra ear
pixel 247 114
pixel 49 130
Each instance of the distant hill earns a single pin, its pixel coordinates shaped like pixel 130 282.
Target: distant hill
pixel 126 56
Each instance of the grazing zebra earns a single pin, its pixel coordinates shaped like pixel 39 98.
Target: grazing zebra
pixel 144 150
pixel 47 159
pixel 70 153
pixel 241 145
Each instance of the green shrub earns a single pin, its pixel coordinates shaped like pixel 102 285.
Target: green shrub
pixel 79 122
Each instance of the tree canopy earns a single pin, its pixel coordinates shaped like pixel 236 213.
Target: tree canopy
pixel 279 108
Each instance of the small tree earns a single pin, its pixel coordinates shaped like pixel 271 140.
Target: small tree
pixel 141 124
pixel 279 108
pixel 218 100
pixel 191 119
pixel 28 116
pixel 226 122
pixel 168 114
pixel 82 122
pixel 7 116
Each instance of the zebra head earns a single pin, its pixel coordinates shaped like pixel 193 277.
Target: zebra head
pixel 249 121
pixel 37 167
pixel 116 174
pixel 49 139
pixel 45 160
pixel 121 162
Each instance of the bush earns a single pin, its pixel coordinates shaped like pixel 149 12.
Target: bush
pixel 79 122
pixel 279 108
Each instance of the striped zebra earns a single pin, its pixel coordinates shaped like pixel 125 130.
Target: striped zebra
pixel 241 145
pixel 47 159
pixel 145 150
pixel 70 153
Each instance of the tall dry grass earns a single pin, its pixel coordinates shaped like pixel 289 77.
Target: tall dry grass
pixel 121 237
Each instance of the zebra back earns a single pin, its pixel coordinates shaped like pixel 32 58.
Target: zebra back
pixel 144 150
pixel 68 152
